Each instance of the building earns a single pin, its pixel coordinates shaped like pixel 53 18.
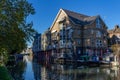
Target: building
pixel 114 40
pixel 46 40
pixel 44 55
pixel 75 35
pixel 36 47
pixel 114 35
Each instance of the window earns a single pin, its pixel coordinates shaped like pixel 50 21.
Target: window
pixel 88 42
pixel 79 52
pixel 111 58
pixel 92 31
pixel 98 34
pixel 61 42
pixel 69 44
pixel 61 32
pixel 92 41
pixel 98 24
pixel 79 32
pixel 70 33
pixel 78 41
pixel 98 43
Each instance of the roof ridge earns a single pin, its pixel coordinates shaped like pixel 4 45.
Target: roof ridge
pixel 66 11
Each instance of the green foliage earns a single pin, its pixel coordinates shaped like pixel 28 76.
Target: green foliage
pixel 115 49
pixel 14 31
pixel 4 75
pixel 3 55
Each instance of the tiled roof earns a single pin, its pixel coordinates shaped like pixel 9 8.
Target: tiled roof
pixel 110 31
pixel 115 30
pixel 77 21
pixel 80 18
pixel 92 18
pixel 75 15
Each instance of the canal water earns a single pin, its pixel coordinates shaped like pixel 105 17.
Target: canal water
pixel 30 69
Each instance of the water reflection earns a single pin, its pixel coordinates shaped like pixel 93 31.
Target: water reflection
pixel 33 70
pixel 22 70
pixel 28 73
pixel 65 72
pixel 37 70
pixel 18 70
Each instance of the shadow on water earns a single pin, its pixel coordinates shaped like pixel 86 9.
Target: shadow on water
pixel 18 70
pixel 46 71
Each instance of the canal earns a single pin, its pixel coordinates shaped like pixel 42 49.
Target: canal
pixel 31 69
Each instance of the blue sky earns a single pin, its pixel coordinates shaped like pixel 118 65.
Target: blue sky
pixel 46 11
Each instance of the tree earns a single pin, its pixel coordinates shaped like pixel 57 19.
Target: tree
pixel 14 31
pixel 116 49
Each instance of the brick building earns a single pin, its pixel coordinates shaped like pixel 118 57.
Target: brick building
pixel 74 35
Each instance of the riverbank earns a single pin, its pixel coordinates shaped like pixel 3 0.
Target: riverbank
pixel 4 74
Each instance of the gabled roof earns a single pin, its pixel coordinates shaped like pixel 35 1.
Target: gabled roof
pixel 77 18
pixel 75 14
pixel 80 18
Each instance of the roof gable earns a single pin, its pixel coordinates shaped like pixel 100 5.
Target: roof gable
pixel 77 18
pixel 56 18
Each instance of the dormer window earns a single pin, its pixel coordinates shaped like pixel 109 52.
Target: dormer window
pixel 98 24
